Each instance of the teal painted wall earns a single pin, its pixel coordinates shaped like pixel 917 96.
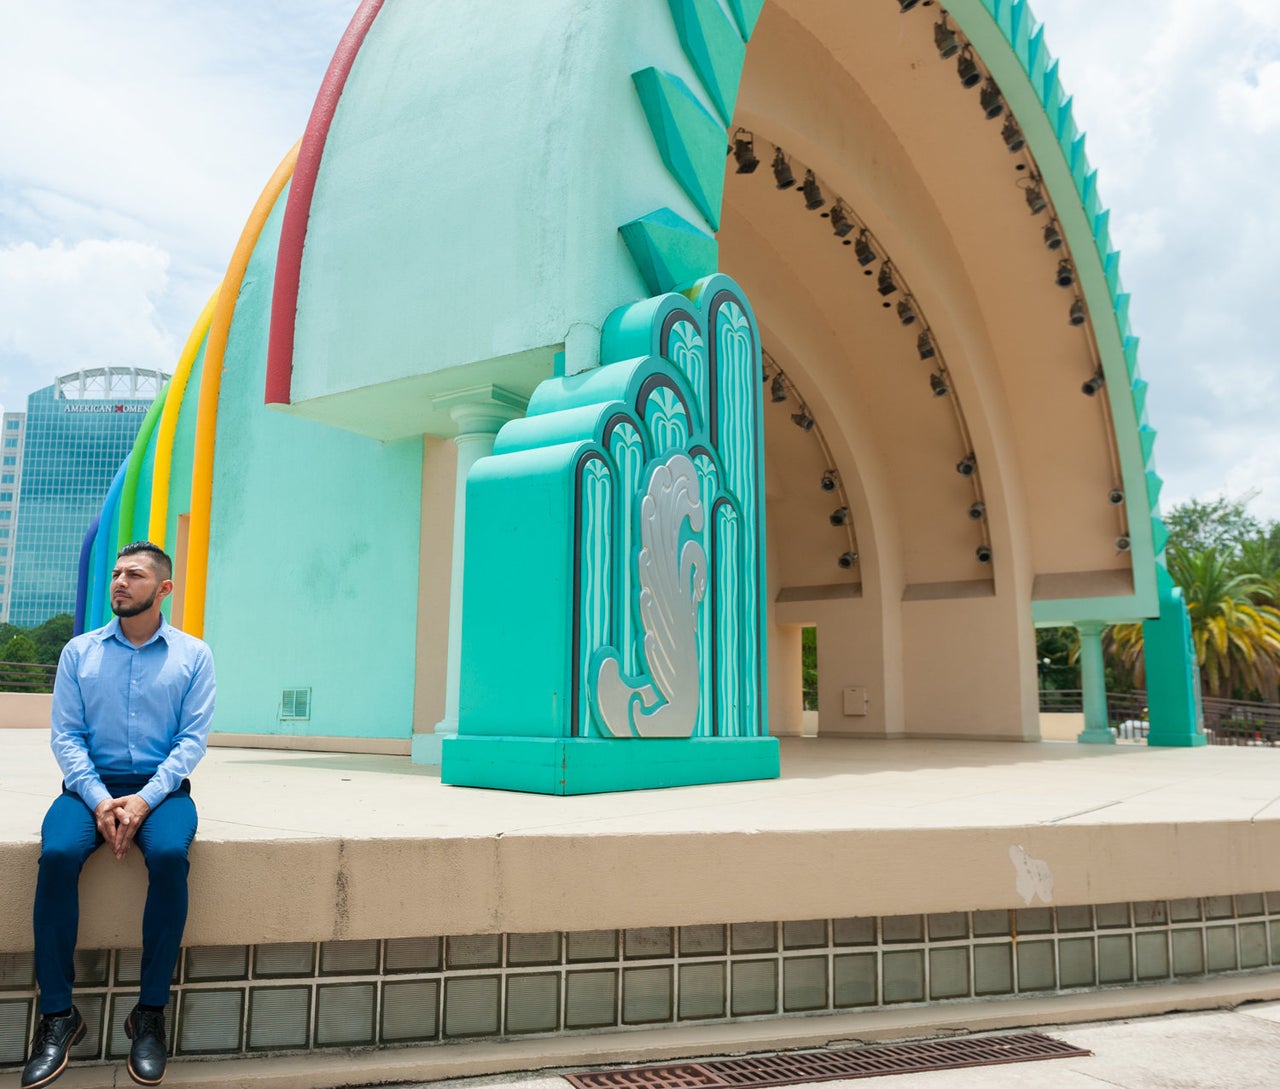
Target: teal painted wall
pixel 313 566
pixel 468 204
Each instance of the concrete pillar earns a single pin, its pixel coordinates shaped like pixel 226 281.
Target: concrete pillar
pixel 1093 682
pixel 479 413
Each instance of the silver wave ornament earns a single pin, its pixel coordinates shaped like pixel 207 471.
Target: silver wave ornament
pixel 672 583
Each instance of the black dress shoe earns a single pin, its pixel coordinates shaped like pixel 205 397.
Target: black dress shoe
pixel 147 1054
pixel 55 1036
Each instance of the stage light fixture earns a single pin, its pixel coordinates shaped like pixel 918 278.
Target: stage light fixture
pixel 839 516
pixel 983 553
pixel 977 510
pixel 778 392
pixel 967 466
pixel 967 69
pixel 1091 387
pixel 1013 138
pixel 1115 497
pixel 1076 316
pixel 906 312
pixel 1035 199
pixel 829 481
pixel 924 345
pixel 862 247
pixel 813 198
pixel 847 559
pixel 1122 544
pixel 782 175
pixel 1066 274
pixel 841 224
pixel 944 37
pixel 992 103
pixel 885 284
pixel 803 420
pixel 1052 236
pixel 939 385
pixel 744 152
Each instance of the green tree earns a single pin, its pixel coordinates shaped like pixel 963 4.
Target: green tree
pixel 1057 658
pixel 20 672
pixel 1235 634
pixel 1221 524
pixel 809 667
pixel 51 636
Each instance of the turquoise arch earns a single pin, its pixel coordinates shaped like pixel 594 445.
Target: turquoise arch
pixel 1012 45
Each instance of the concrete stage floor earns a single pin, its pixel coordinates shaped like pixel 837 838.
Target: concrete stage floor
pixel 318 846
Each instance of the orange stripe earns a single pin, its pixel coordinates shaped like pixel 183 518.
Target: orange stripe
pixel 157 525
pixel 210 385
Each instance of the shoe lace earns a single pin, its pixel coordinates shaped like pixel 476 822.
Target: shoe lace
pixel 148 1023
pixel 48 1029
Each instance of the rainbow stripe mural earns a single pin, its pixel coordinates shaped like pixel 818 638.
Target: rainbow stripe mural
pixel 145 496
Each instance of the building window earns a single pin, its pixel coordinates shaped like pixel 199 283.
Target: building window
pixel 6 478
pixel 5 515
pixel 4 534
pixel 10 444
pixel 13 425
pixel 6 497
pixel 10 459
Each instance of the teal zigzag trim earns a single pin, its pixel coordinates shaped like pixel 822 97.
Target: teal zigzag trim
pixel 669 250
pixel 690 141
pixel 714 48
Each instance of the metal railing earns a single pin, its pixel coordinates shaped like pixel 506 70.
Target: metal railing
pixel 26 677
pixel 1226 722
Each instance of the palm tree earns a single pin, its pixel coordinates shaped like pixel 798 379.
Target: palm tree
pixel 1235 628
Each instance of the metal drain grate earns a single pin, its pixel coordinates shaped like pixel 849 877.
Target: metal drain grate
pixel 858 1062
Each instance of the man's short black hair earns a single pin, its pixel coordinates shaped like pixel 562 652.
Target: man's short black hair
pixel 159 557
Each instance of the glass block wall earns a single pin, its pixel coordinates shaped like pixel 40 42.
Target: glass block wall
pixel 297 996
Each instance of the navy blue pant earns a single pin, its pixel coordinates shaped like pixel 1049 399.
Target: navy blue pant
pixel 68 837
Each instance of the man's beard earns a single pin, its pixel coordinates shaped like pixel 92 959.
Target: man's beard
pixel 126 610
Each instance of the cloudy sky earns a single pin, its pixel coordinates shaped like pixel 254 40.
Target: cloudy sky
pixel 136 135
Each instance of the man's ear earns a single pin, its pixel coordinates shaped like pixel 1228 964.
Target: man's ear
pixel 164 590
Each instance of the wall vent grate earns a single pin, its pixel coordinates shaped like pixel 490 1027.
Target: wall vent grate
pixel 295 705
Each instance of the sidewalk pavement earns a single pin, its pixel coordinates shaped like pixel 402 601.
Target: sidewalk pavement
pixel 1236 1049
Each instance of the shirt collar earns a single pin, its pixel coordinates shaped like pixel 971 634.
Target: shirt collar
pixel 112 631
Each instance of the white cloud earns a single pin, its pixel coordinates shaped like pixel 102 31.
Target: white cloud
pixel 1253 99
pixel 66 307
pixel 1181 101
pixel 137 135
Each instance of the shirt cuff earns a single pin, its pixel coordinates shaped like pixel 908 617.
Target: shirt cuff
pixel 94 794
pixel 153 794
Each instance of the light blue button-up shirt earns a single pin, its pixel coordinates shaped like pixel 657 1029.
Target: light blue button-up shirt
pixel 121 710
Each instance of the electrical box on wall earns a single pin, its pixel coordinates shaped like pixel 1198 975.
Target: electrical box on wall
pixel 855 700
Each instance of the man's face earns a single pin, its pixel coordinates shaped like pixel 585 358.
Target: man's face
pixel 135 585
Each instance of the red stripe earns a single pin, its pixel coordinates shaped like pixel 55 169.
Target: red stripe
pixel 297 212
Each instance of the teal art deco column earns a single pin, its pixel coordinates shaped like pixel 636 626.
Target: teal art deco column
pixel 1093 681
pixel 479 412
pixel 615 581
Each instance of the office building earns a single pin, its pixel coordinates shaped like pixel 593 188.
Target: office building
pixel 65 453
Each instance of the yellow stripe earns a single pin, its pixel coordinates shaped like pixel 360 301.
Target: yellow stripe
pixel 156 528
pixel 215 351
